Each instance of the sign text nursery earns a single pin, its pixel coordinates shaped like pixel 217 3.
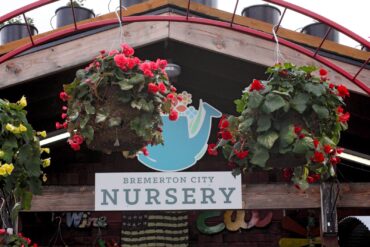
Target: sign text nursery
pixel 167 191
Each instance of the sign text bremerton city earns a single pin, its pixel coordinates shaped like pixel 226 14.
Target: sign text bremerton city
pixel 167 191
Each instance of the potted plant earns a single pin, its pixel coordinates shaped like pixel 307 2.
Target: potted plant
pixel 115 103
pixel 65 15
pixel 290 122
pixel 21 160
pixel 15 240
pixel 15 29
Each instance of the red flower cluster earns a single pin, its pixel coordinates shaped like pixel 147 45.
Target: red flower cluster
pixel 256 85
pixel 212 150
pixel 342 91
pixel 126 63
pixel 343 116
pixel 298 131
pixel 75 142
pixel 19 236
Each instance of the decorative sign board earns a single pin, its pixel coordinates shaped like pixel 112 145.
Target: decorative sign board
pixel 185 140
pixel 167 191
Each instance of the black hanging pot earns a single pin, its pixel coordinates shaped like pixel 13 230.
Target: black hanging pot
pixel 319 30
pixel 263 12
pixel 210 3
pixel 128 3
pixel 65 16
pixel 15 31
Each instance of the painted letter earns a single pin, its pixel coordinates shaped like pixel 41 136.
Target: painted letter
pixel 188 196
pixel 150 196
pixel 113 198
pixel 127 191
pixel 207 195
pixel 227 196
pixel 174 199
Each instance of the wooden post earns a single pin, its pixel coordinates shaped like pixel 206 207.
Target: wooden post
pixel 329 192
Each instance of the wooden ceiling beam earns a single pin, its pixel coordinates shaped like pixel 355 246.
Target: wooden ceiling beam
pixel 255 196
pixel 216 39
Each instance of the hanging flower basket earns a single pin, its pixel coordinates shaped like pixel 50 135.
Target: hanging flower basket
pixel 20 160
pixel 292 121
pixel 115 104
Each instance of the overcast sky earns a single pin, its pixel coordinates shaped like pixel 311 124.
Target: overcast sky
pixel 353 14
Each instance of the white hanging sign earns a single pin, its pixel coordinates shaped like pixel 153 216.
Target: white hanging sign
pixel 167 191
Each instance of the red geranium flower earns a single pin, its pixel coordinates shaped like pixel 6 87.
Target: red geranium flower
pixel 301 136
pixel 316 143
pixel 226 135
pixel 121 61
pixel 145 151
pixel 77 139
pixel 241 154
pixel 75 146
pixel 63 96
pixel 323 72
pixel 58 125
pixel 64 115
pixel 212 150
pixel 342 91
pixel 334 160
pixel 297 129
pixel 152 88
pixel 223 124
pixel 174 115
pixel 127 50
pixel 343 118
pixel 327 149
pixel 161 87
pixel 256 85
pixel 318 157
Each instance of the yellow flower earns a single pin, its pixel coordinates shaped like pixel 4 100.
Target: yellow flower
pixel 41 133
pixel 22 128
pixel 2 171
pixel 8 168
pixel 10 127
pixel 46 150
pixel 22 102
pixel 1 153
pixel 46 162
pixel 44 178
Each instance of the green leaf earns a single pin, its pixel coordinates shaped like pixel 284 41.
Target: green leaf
pixel 125 85
pixel 299 102
pixel 263 123
pixel 136 104
pixel 308 69
pixel 227 151
pixel 89 108
pixel 138 78
pixel 73 116
pixel 268 139
pixel 255 99
pixel 114 121
pixel 26 200
pixel 273 102
pixel 80 74
pixel 100 117
pixel 124 97
pixel 88 133
pixel 260 157
pixel 240 105
pixel 315 89
pixel 301 146
pixel 287 135
pixel 321 111
pixel 245 125
pixel 84 121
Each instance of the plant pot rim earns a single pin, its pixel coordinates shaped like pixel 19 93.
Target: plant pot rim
pixel 261 5
pixel 67 7
pixel 20 24
pixel 315 24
